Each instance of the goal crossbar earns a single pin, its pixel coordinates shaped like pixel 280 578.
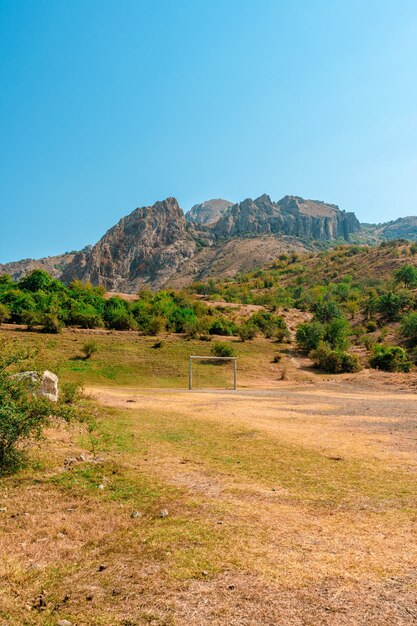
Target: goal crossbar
pixel 211 358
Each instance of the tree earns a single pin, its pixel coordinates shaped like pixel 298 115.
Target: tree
pixel 409 326
pixel 309 335
pixel 407 274
pixel 37 280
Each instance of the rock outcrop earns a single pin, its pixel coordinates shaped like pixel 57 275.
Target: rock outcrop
pixel 292 216
pixel 208 212
pixel 145 248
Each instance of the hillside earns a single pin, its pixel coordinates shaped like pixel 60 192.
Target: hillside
pixel 54 265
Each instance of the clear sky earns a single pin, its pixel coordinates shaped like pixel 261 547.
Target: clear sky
pixel 106 105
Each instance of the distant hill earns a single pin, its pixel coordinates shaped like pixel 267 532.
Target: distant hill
pixel 402 228
pixel 54 265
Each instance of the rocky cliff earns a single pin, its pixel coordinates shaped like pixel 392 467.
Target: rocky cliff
pixel 208 212
pixel 293 216
pixel 147 247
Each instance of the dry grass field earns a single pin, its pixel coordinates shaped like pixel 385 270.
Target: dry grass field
pixel 289 502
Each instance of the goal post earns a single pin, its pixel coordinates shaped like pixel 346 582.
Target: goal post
pixel 233 359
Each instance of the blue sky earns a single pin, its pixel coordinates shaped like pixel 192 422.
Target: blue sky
pixel 106 105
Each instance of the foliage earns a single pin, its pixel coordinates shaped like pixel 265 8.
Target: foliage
pixel 335 361
pixel 390 359
pixel 409 326
pixel 309 335
pixel 23 414
pixel 4 313
pixel 407 274
pixel 222 349
pixel 89 348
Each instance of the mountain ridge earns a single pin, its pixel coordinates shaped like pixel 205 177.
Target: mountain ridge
pixel 160 246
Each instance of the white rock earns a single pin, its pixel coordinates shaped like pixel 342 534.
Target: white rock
pixel 46 384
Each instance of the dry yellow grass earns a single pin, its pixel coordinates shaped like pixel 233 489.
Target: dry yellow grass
pixel 295 507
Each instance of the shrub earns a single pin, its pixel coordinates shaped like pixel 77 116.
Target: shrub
pixel 222 326
pixel 271 325
pixel 86 320
pixel 247 331
pixel 23 414
pixel 4 313
pixel 51 323
pixel 122 320
pixel 407 274
pixel 390 359
pixel 156 325
pixel 337 333
pixel 222 348
pixel 371 326
pixel 31 319
pixel 326 310
pixel 389 305
pixel 309 335
pixel 409 326
pixel 335 361
pixel 90 348
pixel 71 392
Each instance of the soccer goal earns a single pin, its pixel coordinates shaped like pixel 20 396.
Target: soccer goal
pixel 232 359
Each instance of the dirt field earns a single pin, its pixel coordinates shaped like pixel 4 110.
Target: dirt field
pixel 294 506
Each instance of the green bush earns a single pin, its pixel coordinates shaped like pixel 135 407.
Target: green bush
pixel 335 361
pixel 409 326
pixel 371 326
pixel 89 348
pixel 86 320
pixel 222 348
pixel 309 335
pixel 390 359
pixel 122 320
pixel 70 392
pixel 23 414
pixel 247 331
pixel 222 326
pixel 51 323
pixel 156 325
pixel 4 313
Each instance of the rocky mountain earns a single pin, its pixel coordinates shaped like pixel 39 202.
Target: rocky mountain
pixel 148 247
pixel 158 246
pixel 208 212
pixel 293 216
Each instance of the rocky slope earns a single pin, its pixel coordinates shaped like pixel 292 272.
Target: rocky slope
pixel 402 228
pixel 54 265
pixel 208 212
pixel 146 248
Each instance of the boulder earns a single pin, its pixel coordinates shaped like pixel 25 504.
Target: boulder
pixel 45 384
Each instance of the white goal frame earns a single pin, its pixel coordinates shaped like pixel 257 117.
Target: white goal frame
pixel 212 358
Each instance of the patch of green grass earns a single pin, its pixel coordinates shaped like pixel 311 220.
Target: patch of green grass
pixel 128 359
